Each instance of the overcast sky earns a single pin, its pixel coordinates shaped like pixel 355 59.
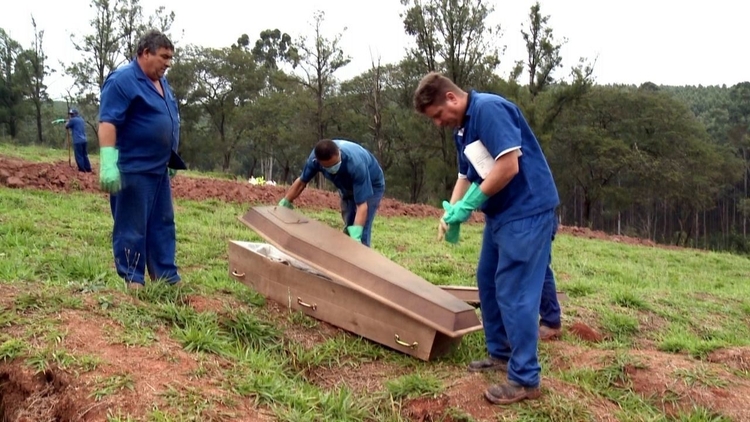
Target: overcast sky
pixel 662 41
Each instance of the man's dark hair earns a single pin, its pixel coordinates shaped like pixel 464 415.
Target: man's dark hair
pixel 326 149
pixel 152 41
pixel 431 91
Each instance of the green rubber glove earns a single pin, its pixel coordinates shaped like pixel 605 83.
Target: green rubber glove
pixel 355 232
pixel 461 211
pixel 109 174
pixel 286 203
pixel 172 173
pixel 453 231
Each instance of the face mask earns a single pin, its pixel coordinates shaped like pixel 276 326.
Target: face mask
pixel 334 168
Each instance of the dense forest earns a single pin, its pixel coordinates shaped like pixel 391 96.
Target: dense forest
pixel 669 163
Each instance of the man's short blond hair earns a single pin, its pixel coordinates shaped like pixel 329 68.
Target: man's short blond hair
pixel 431 91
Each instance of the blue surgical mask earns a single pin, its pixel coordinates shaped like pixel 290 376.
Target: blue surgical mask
pixel 334 168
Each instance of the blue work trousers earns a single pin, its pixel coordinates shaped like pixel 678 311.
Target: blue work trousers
pixel 349 211
pixel 82 157
pixel 144 234
pixel 549 308
pixel 513 262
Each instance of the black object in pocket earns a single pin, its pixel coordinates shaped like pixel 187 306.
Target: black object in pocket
pixel 175 162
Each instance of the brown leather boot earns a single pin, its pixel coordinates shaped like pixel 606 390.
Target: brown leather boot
pixel 511 392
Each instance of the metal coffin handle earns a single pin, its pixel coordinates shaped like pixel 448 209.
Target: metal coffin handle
pixel 405 344
pixel 313 306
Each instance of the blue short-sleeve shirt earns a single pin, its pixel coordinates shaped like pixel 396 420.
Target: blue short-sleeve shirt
pixel 148 125
pixel 359 177
pixel 500 126
pixel 78 129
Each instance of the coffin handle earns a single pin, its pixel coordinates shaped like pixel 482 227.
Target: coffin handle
pixel 405 344
pixel 236 274
pixel 314 307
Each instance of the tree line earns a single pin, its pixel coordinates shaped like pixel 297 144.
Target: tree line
pixel 669 163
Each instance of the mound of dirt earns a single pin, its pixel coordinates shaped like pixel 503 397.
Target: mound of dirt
pixel 585 333
pixel 46 396
pixel 737 358
pixel 60 177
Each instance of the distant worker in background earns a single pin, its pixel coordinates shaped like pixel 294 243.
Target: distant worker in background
pixel 77 127
pixel 357 175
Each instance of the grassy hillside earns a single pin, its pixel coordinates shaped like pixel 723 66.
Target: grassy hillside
pixel 676 337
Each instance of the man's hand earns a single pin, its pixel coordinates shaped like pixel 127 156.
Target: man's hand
pixel 355 232
pixel 449 232
pixel 461 211
pixel 286 203
pixel 172 173
pixel 109 174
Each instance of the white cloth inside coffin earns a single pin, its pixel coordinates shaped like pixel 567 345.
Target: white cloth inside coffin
pixel 274 254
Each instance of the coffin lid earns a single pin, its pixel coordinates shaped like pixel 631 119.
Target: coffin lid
pixel 345 261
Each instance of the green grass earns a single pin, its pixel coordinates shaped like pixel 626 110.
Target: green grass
pixel 55 255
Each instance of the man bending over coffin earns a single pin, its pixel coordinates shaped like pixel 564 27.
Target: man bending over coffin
pixel 358 177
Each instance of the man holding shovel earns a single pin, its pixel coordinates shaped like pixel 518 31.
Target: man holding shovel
pixel 77 128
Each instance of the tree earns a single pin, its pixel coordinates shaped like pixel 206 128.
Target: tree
pixel 11 91
pixel 319 60
pixel 452 37
pixel 33 69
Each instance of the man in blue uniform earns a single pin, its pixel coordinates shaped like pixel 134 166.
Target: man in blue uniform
pixel 139 127
pixel 77 127
pixel 358 177
pixel 502 171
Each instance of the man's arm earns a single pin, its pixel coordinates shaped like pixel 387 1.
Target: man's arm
pixel 295 190
pixel 360 218
pixel 462 185
pixel 505 168
pixel 107 134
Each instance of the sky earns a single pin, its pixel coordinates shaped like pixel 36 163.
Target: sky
pixel 662 41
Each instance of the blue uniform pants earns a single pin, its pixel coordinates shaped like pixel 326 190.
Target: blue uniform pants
pixel 510 277
pixel 82 157
pixel 349 211
pixel 549 308
pixel 144 234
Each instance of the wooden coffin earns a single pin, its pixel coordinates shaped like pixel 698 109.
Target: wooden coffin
pixel 349 285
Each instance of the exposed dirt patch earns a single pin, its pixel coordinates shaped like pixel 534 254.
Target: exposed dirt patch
pixel 565 356
pixel 205 304
pixel 308 336
pixel 427 409
pixel 678 383
pixel 60 177
pixel 736 358
pixel 362 379
pixel 466 393
pixel 45 396
pixel 154 371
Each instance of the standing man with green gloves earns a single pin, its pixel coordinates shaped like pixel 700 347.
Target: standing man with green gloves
pixel 139 129
pixel 358 177
pixel 503 172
